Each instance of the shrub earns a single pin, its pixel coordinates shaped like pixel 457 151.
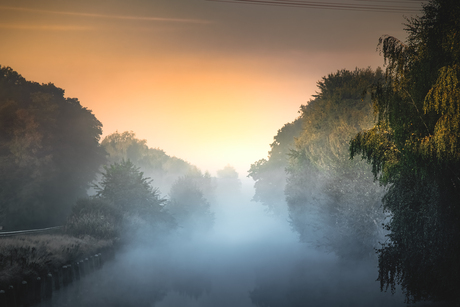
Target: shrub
pixel 30 256
pixel 94 217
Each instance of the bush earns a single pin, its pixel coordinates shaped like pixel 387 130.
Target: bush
pixel 28 257
pixel 94 217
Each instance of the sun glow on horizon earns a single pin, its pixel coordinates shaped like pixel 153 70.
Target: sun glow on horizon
pixel 205 82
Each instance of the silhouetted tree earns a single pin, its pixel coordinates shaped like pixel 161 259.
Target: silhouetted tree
pixel 49 152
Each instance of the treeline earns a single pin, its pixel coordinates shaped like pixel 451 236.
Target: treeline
pixel 52 158
pixel 405 124
pixel 332 201
pixel 49 152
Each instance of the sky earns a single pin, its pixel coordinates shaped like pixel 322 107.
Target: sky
pixel 206 81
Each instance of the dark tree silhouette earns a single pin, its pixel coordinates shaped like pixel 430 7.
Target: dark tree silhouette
pixel 49 152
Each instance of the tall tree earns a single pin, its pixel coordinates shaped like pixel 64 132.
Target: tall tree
pixel 49 152
pixel 414 149
pixel 322 182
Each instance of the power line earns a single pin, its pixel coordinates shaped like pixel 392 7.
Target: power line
pixel 405 8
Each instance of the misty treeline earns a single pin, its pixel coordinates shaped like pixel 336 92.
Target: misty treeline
pixel 52 158
pixel 332 201
pixel 405 123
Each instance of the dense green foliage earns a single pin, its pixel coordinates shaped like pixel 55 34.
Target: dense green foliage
pixel 49 152
pixel 269 174
pixel 414 149
pixel 153 162
pixel 332 200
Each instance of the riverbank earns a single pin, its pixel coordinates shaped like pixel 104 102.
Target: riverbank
pixel 31 256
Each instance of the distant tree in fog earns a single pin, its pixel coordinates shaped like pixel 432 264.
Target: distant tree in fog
pixel 228 183
pixel 270 174
pixel 414 149
pixel 154 162
pixel 333 201
pixel 188 204
pixel 49 152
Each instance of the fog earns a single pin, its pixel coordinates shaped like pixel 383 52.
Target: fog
pixel 250 258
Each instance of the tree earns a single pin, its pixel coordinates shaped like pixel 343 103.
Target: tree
pixel 154 162
pixel 189 206
pixel 322 182
pixel 49 152
pixel 124 186
pixel 270 174
pixel 414 149
pixel 228 184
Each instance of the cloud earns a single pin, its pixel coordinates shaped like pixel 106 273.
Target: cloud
pixel 120 17
pixel 44 27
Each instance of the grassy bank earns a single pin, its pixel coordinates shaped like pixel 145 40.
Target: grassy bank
pixel 27 257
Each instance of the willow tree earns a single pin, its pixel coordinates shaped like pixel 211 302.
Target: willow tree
pixel 414 148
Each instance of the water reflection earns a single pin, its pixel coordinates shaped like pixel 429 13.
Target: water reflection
pixel 250 259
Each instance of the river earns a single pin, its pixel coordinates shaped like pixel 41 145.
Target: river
pixel 249 259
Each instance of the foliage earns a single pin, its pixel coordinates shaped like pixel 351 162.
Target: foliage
pixel 49 152
pixel 269 174
pixel 189 206
pixel 153 162
pixel 27 257
pixel 94 217
pixel 228 184
pixel 341 109
pixel 124 186
pixel 322 182
pixel 414 148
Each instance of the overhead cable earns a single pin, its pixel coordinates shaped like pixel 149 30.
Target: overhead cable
pixel 405 8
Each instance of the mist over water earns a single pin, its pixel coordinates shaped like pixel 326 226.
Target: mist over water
pixel 250 258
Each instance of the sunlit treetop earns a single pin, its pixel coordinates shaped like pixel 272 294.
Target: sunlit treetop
pixel 341 108
pixel 418 105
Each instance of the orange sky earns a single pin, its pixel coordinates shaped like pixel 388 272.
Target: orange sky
pixel 205 81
